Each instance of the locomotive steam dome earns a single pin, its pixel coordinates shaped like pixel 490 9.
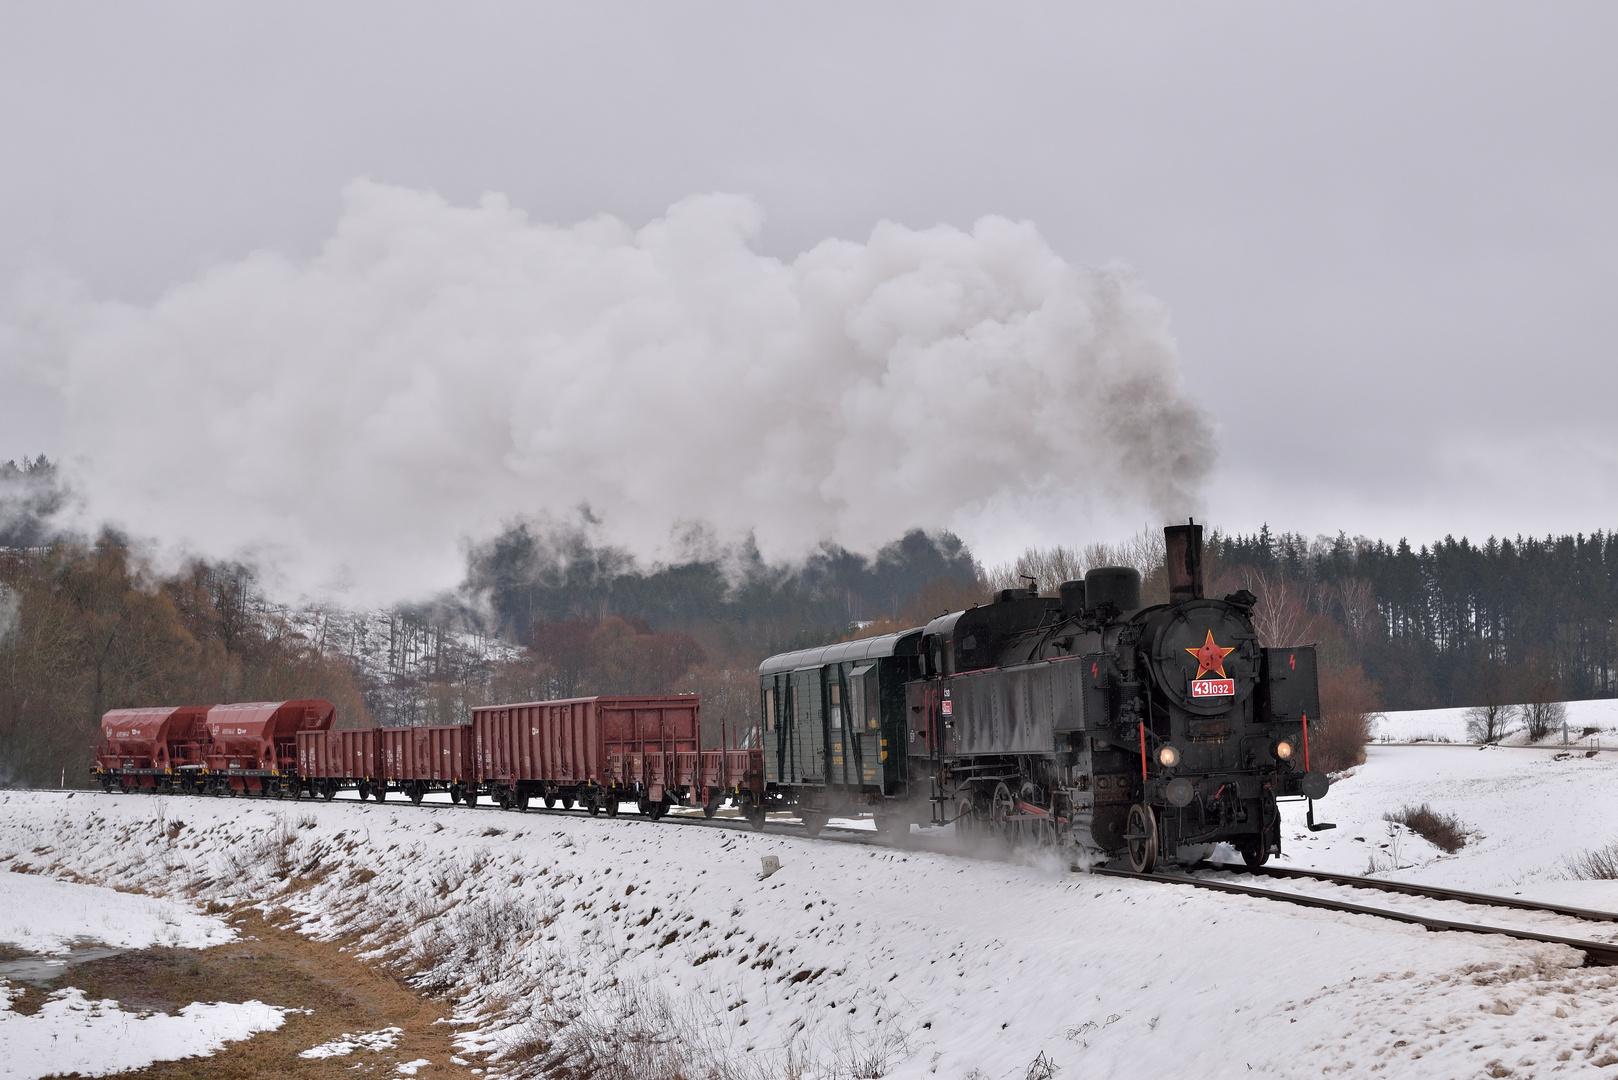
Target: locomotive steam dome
pixel 1205 656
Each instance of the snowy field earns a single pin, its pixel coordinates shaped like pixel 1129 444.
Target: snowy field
pixel 563 936
pixel 1449 725
pixel 46 918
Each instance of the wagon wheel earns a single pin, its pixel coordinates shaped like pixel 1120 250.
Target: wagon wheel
pixel 968 825
pixel 813 821
pixel 455 794
pixel 755 816
pixel 592 804
pixel 550 800
pixel 1141 837
pixel 1254 852
pixel 567 802
pixel 1001 807
pixel 657 809
pixel 521 802
pixel 380 792
pixel 329 791
pixel 470 796
pixel 417 793
pixel 612 804
pixel 711 807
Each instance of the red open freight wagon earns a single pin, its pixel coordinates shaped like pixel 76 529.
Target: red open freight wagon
pixel 416 760
pixel 329 761
pixel 600 751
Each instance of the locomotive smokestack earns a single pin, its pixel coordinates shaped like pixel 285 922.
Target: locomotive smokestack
pixel 1184 563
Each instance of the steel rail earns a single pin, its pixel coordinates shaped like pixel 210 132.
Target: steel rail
pixel 1431 891
pixel 1596 953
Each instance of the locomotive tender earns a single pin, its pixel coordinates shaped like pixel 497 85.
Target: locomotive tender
pixel 1159 731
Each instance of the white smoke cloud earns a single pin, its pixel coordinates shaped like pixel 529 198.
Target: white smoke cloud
pixel 438 370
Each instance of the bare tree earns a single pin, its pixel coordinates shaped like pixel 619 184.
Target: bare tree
pixel 1542 711
pixel 1489 722
pixel 1355 602
pixel 1282 616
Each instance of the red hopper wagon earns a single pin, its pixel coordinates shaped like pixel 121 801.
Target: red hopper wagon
pixel 253 746
pixel 158 749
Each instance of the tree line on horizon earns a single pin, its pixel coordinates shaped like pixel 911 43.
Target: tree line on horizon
pixel 86 625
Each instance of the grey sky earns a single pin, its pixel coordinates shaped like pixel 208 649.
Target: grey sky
pixel 1386 233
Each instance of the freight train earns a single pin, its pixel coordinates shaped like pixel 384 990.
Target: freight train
pixel 1085 718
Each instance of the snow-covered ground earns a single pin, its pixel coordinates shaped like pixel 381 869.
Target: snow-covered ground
pixel 565 935
pixel 69 1033
pixel 1449 725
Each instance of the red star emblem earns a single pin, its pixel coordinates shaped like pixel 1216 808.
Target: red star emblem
pixel 1211 657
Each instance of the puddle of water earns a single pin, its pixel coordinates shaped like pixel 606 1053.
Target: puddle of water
pixel 41 971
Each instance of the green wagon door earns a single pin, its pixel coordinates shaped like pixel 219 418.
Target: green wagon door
pixel 865 726
pixel 807 744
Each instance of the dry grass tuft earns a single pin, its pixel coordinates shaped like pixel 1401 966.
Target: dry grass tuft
pixel 1441 830
pixel 1597 864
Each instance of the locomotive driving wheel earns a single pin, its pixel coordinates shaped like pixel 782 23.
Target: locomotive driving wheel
pixel 1254 853
pixel 1002 807
pixel 1141 836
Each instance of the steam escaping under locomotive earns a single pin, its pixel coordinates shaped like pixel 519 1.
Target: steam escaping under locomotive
pixel 1083 718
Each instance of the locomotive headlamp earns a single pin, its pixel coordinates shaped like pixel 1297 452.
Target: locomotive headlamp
pixel 1283 750
pixel 1168 757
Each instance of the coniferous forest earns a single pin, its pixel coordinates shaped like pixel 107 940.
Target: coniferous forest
pixel 1455 622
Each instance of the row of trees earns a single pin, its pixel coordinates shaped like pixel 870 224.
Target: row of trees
pixel 84 629
pixel 1455 623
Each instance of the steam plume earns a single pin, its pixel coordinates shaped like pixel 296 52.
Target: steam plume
pixel 437 370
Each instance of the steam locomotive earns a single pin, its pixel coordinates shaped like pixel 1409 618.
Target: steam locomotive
pixel 1086 717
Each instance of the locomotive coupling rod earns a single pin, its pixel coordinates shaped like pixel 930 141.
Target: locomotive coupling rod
pixel 1481 899
pixel 1596 953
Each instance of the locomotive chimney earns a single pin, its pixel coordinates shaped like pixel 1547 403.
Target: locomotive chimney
pixel 1183 544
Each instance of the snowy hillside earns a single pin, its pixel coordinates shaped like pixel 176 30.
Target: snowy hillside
pixel 563 936
pixel 70 1033
pixel 1586 721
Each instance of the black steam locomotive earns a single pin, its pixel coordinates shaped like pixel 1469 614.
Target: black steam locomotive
pixel 1037 720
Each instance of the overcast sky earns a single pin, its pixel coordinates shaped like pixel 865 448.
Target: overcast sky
pixel 1384 234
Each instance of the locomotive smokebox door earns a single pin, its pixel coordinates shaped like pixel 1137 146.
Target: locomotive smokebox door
pixel 1205 657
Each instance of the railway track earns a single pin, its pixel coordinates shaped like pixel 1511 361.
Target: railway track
pixel 1596 953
